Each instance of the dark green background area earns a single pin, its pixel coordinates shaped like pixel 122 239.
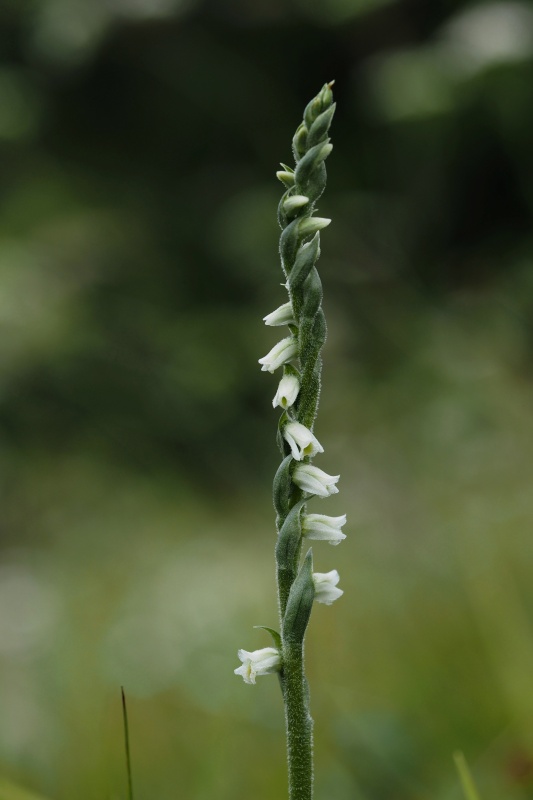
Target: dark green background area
pixel 139 141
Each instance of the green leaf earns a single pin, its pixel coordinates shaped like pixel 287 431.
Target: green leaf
pixel 275 635
pixel 288 543
pixel 283 487
pixel 467 782
pixel 300 603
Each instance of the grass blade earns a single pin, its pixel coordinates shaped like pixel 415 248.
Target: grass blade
pixel 467 782
pixel 127 743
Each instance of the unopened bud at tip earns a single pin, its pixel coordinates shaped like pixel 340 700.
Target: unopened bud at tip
pixel 311 225
pixel 295 201
pixel 287 178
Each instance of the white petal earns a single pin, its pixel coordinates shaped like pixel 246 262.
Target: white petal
pixel 328 596
pixel 314 481
pixel 301 441
pixel 331 578
pixel 317 520
pixel 258 662
pixel 246 671
pixel 326 587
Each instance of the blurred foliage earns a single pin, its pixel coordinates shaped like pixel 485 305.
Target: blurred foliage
pixel 138 145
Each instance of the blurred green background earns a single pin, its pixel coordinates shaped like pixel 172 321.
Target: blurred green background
pixel 138 253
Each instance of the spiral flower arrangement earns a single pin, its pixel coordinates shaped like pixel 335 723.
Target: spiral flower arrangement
pixel 297 480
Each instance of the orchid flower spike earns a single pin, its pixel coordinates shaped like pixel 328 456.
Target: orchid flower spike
pixel 301 441
pixel 323 528
pixel 314 480
pixel 296 480
pixel 326 586
pixel 258 662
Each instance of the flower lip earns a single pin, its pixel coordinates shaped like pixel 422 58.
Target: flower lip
pixel 258 662
pixel 301 441
pixel 323 528
pixel 326 587
pixel 313 480
pixel 281 353
pixel 288 389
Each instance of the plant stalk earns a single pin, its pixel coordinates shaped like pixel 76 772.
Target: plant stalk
pixel 299 724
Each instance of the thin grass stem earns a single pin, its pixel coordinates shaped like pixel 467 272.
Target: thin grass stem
pixel 465 776
pixel 127 743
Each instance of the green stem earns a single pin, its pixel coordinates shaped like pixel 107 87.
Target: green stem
pixel 299 724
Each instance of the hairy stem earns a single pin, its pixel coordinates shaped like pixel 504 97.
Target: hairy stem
pixel 299 724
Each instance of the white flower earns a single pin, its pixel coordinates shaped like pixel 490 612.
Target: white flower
pixel 260 662
pixel 288 389
pixel 326 586
pixel 313 480
pixel 281 353
pixel 301 440
pixel 324 528
pixel 281 316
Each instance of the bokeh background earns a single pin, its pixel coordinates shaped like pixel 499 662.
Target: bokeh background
pixel 138 253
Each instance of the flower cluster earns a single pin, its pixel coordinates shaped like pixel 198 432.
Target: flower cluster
pixel 297 480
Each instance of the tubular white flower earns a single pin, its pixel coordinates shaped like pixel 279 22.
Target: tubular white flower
pixel 301 441
pixel 288 389
pixel 281 316
pixel 326 586
pixel 259 662
pixel 313 480
pixel 282 352
pixel 323 528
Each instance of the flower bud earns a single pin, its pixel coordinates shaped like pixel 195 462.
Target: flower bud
pixel 312 110
pixel 258 662
pixel 287 178
pixel 326 586
pixel 313 480
pixel 294 202
pixel 319 129
pixel 309 165
pixel 299 141
pixel 326 95
pixel 310 225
